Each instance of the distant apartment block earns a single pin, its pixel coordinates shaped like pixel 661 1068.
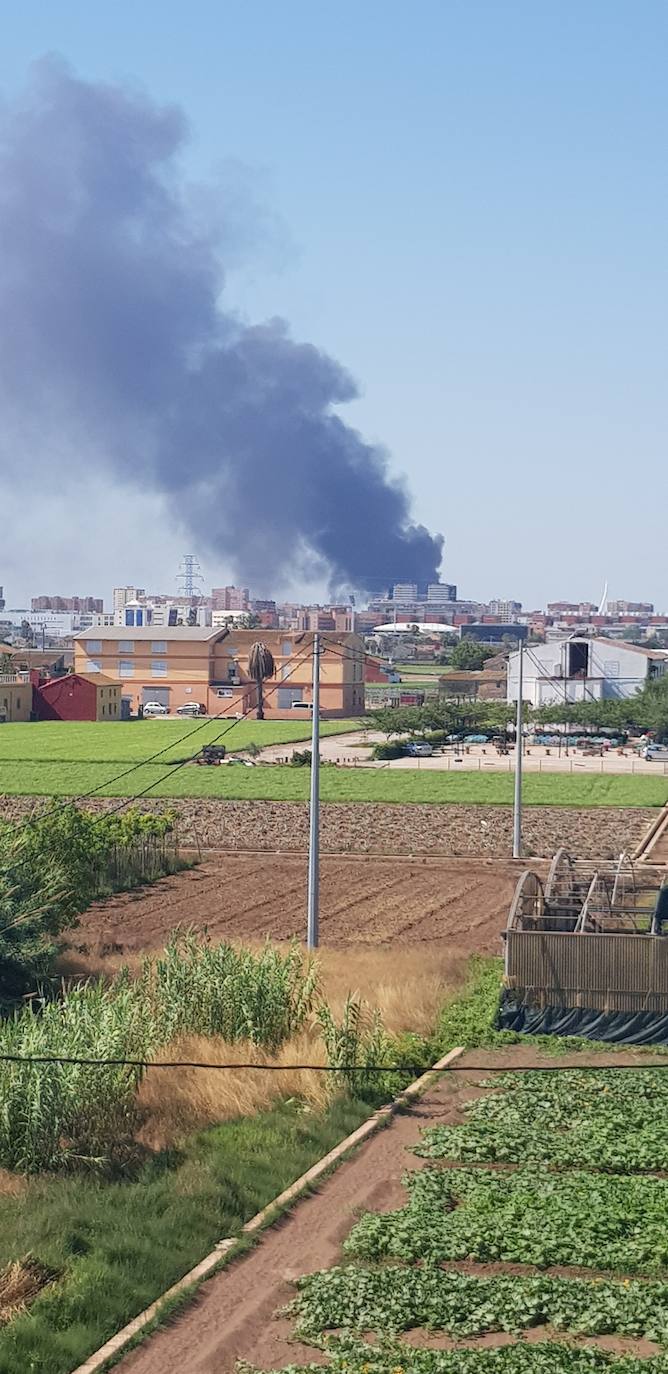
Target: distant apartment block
pixel 440 593
pixel 266 612
pixel 619 608
pixel 506 610
pixel 50 624
pixel 230 598
pixel 581 608
pixel 67 603
pixel 136 612
pixel 404 593
pixel 121 597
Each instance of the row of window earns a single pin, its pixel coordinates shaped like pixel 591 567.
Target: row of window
pixel 126 646
pixel 126 667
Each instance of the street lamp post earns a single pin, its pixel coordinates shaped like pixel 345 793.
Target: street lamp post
pixel 314 808
pixel 517 809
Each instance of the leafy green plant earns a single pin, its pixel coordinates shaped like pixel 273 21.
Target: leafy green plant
pixel 394 1298
pixel 607 1119
pixel 526 1216
pixel 53 868
pixel 220 989
pixel 349 1356
pixel 354 1045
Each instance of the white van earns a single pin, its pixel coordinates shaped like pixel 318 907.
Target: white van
pixel 656 753
pixel 303 706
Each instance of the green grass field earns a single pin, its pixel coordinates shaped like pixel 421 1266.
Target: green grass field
pixel 118 1245
pixel 283 783
pixel 421 669
pixel 130 741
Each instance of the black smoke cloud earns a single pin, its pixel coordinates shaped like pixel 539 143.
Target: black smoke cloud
pixel 114 351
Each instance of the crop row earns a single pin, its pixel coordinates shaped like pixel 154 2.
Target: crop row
pixel 393 1298
pixel 544 1357
pixel 608 1119
pixel 598 1221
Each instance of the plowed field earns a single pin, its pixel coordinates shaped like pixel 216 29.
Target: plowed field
pixel 363 901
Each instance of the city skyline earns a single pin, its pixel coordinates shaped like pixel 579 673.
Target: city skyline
pixel 233 597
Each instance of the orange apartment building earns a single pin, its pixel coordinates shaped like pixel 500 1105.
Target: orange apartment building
pixel 15 697
pixel 188 664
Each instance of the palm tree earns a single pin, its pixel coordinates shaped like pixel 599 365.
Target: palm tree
pixel 260 666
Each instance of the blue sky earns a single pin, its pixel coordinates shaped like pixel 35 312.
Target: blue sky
pixel 466 203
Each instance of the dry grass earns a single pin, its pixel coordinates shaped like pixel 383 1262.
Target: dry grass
pixel 407 983
pixel 12 1185
pixel 20 1284
pixel 174 1102
pixel 408 986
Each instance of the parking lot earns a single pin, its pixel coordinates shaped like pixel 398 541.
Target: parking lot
pixel 354 750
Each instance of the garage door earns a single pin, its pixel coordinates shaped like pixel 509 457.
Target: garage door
pixel 159 694
pixel 285 697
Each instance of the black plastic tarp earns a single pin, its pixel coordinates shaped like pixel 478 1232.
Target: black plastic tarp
pixel 619 1027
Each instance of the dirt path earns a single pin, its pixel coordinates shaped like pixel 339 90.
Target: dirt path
pixel 363 901
pixel 234 1315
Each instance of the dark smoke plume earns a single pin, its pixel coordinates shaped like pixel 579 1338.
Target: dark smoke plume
pixel 114 351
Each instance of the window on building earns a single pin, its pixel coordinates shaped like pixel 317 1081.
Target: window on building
pixel 18 703
pixel 126 646
pixel 224 692
pixel 286 647
pixel 612 667
pixel 94 646
pixel 159 646
pixel 158 668
pixel 104 710
pixel 126 667
pixel 93 666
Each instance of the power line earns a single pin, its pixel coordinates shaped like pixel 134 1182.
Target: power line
pixel 173 768
pixel 327 1068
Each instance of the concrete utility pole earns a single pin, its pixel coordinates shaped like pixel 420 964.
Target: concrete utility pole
pixel 517 810
pixel 314 810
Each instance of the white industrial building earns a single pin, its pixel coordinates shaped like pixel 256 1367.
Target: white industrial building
pixel 578 668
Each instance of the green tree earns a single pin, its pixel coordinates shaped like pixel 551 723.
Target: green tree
pixel 469 655
pixel 652 704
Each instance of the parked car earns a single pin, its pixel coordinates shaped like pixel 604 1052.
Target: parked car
pixel 155 708
pixel 656 753
pixel 191 708
pixel 419 749
pixel 303 706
